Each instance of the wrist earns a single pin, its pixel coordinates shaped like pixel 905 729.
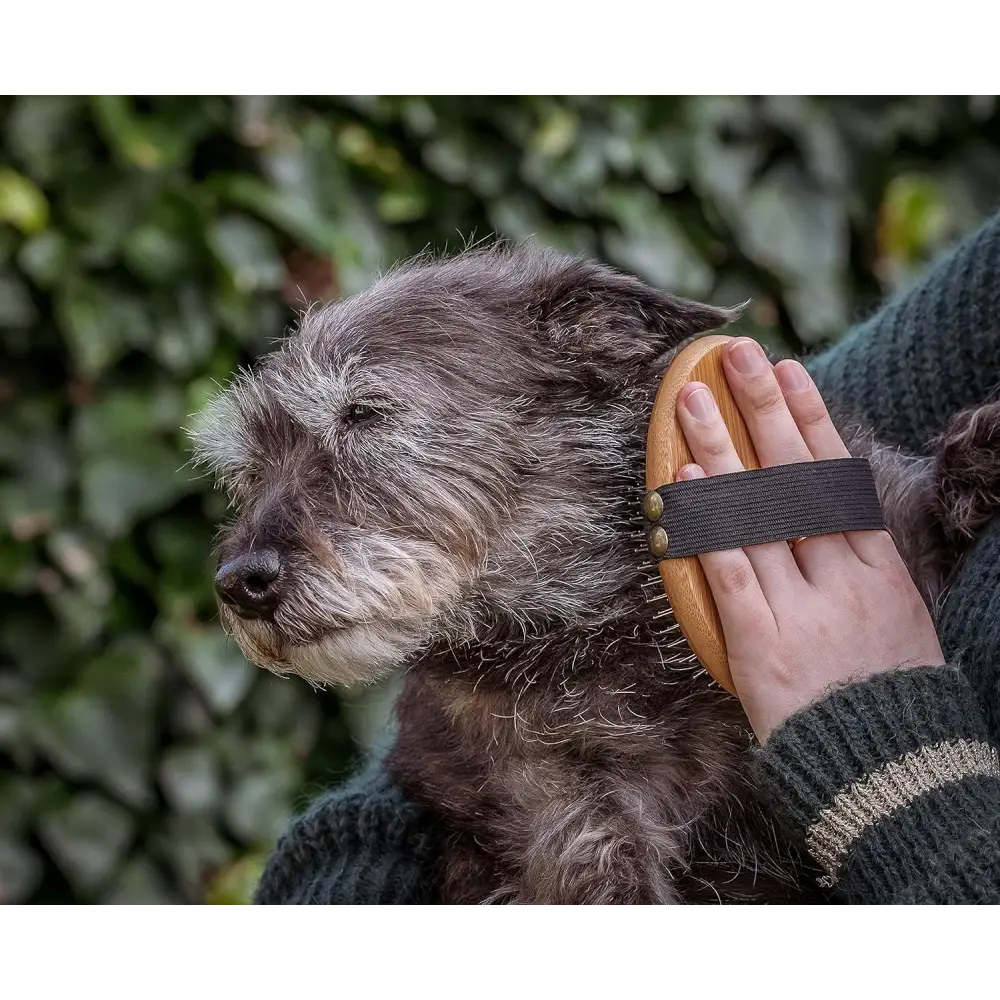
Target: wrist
pixel 873 779
pixel 768 709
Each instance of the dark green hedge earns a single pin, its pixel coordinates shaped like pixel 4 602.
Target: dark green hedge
pixel 149 247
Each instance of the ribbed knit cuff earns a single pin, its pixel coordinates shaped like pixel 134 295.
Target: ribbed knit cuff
pixel 883 781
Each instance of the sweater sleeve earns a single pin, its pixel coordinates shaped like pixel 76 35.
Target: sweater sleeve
pixel 363 843
pixel 929 352
pixel 969 622
pixel 892 788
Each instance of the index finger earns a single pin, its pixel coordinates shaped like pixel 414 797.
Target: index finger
pixel 739 598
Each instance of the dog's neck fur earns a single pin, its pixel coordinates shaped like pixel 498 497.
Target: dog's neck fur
pixel 625 617
pixel 614 669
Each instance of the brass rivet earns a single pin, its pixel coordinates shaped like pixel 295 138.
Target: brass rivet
pixel 652 506
pixel 658 542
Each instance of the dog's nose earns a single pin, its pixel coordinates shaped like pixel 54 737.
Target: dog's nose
pixel 249 583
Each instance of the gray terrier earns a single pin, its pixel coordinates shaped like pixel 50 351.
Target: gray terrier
pixel 444 474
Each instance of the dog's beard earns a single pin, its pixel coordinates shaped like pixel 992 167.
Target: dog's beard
pixel 354 654
pixel 356 618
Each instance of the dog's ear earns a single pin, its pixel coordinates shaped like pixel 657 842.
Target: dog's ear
pixel 588 309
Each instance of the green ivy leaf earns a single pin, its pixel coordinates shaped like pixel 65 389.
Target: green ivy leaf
pixel 102 727
pixel 45 258
pixel 196 852
pixel 16 307
pixel 22 204
pixel 248 252
pixel 117 492
pixel 121 422
pixel 20 870
pixel 39 132
pixel 293 215
pixel 139 884
pixel 104 206
pixel 19 798
pixel 87 837
pixel 211 660
pixel 100 324
pixel 914 216
pixel 236 884
pixel 799 232
pixel 258 805
pixel 186 336
pixel 146 142
pixel 190 779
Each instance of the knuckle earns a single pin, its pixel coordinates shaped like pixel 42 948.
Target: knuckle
pixel 812 412
pixel 902 583
pixel 885 556
pixel 717 444
pixel 767 398
pixel 734 579
pixel 783 672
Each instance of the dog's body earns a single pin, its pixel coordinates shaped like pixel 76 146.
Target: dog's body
pixel 446 473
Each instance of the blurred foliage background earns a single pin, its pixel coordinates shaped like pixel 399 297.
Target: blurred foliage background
pixel 150 246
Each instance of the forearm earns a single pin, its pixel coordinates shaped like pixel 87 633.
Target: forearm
pixel 927 353
pixel 892 788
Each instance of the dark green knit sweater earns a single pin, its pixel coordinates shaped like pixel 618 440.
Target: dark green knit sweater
pixel 891 785
pixel 362 843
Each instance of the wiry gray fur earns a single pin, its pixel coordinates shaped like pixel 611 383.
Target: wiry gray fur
pixel 479 524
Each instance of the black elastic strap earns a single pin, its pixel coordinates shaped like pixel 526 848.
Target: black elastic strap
pixel 766 505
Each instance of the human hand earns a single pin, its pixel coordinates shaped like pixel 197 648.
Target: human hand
pixel 827 611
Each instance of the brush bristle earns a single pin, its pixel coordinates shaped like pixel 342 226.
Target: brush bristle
pixel 673 647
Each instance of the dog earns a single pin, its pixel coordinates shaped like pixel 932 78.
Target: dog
pixel 444 474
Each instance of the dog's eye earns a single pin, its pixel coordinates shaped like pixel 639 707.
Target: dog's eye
pixel 359 413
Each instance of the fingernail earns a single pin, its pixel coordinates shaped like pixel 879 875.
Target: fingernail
pixel 690 472
pixel 747 357
pixel 791 375
pixel 701 405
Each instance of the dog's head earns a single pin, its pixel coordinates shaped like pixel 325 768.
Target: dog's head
pixel 444 452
